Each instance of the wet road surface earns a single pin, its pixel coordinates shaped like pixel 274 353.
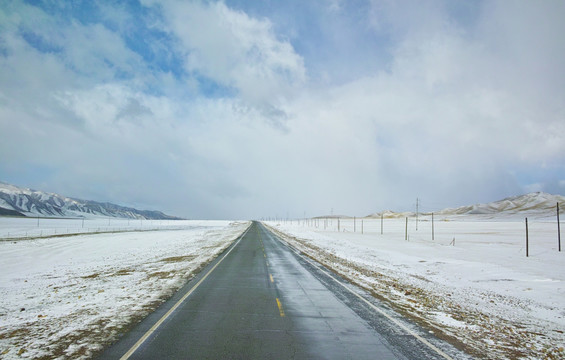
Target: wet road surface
pixel 263 301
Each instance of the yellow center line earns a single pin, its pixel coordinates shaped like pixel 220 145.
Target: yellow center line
pixel 281 311
pixel 271 277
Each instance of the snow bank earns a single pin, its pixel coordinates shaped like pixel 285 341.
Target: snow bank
pixel 67 297
pixel 472 284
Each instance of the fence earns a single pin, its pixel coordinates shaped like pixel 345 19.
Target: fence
pixel 31 228
pixel 446 230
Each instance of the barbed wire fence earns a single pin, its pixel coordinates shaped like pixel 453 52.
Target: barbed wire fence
pixel 448 230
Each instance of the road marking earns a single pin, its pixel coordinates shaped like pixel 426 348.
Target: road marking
pixel 271 277
pixel 162 320
pixel 281 311
pixel 393 320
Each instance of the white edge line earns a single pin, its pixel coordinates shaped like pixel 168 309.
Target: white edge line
pixel 396 322
pixel 150 332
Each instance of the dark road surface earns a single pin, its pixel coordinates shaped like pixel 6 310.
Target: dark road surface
pixel 263 301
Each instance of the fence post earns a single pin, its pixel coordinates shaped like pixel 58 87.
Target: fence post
pixel 406 231
pixel 527 240
pixel 432 226
pixel 558 229
pixel 381 223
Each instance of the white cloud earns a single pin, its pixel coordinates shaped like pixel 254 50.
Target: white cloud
pixel 456 113
pixel 494 86
pixel 235 50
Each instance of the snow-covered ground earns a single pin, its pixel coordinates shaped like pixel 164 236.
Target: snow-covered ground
pixel 68 296
pixel 472 284
pixel 13 228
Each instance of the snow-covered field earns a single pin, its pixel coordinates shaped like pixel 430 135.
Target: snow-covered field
pixel 472 284
pixel 14 228
pixel 68 296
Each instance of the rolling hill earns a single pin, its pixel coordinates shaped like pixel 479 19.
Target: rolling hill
pixel 534 204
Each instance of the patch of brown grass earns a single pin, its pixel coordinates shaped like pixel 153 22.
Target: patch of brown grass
pixel 15 333
pixel 123 272
pixel 91 276
pixel 178 258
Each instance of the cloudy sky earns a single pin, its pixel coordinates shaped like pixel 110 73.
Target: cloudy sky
pixel 248 109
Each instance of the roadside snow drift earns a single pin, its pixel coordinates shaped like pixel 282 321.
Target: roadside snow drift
pixel 67 297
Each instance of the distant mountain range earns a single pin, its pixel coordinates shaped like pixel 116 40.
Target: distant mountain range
pixel 17 201
pixel 535 204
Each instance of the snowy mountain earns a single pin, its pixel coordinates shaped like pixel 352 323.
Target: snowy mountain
pixel 18 201
pixel 536 204
pixel 389 214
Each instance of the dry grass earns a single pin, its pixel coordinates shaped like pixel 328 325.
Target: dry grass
pixel 178 258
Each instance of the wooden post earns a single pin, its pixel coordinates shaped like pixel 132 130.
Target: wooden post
pixel 432 226
pixel 406 231
pixel 417 201
pixel 381 223
pixel 527 240
pixel 558 230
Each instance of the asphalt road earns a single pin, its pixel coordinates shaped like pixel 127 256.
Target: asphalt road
pixel 262 300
